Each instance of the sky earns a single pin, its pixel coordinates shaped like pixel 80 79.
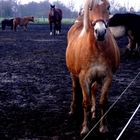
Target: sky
pixel 78 3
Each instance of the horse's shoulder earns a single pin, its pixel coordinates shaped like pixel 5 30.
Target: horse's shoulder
pixel 17 18
pixel 75 30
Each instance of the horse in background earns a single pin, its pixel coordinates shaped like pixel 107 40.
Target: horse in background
pixel 127 24
pixel 55 17
pixel 18 21
pixel 92 57
pixel 7 22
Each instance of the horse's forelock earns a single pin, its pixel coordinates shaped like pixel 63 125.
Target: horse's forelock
pixel 94 3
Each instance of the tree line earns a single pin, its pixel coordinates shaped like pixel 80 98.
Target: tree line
pixel 12 8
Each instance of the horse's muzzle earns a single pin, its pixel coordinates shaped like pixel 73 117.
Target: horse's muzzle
pixel 100 28
pixel 100 35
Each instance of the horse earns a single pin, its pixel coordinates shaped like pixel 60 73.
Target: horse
pixel 7 22
pixel 126 24
pixel 55 17
pixel 92 57
pixel 22 22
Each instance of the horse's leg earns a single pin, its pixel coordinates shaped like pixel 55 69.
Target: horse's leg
pixel 131 45
pixel 11 27
pixel 3 26
pixel 15 26
pixel 103 101
pixel 25 27
pixel 57 28
pixel 131 39
pixel 50 28
pixel 86 102
pixel 76 95
pixel 54 28
pixel 93 99
pixel 60 27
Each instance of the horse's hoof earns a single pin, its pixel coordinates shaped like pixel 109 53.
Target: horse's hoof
pixel 103 129
pixel 71 112
pixel 84 130
pixel 93 116
pixel 57 32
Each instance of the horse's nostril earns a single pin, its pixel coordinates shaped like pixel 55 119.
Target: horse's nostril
pixel 96 31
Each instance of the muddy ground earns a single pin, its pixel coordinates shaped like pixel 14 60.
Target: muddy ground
pixel 35 89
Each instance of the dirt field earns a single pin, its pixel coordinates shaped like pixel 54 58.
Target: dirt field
pixel 35 90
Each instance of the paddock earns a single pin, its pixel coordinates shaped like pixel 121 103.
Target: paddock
pixel 35 90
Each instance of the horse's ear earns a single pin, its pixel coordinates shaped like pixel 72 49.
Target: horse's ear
pixel 52 6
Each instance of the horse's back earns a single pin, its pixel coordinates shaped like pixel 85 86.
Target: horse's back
pixel 23 21
pixel 124 19
pixel 7 22
pixel 130 21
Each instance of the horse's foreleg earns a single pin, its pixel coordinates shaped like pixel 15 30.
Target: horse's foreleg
pixel 73 103
pixel 50 28
pixel 86 104
pixel 55 27
pixel 93 99
pixel 25 28
pixel 11 27
pixel 14 28
pixel 3 27
pixel 103 102
pixel 131 45
pixel 60 27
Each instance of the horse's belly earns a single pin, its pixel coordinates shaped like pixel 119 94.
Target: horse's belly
pixel 118 31
pixel 72 62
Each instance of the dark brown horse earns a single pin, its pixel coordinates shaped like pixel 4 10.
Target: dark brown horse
pixel 92 56
pixel 55 17
pixel 22 22
pixel 7 22
pixel 126 24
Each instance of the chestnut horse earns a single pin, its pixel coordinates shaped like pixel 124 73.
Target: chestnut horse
pixel 55 17
pixel 92 57
pixel 7 22
pixel 22 22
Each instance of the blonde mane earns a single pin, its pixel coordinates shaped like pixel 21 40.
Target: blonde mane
pixel 89 5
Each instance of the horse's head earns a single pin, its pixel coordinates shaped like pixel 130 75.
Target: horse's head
pixel 32 19
pixel 52 9
pixel 98 17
